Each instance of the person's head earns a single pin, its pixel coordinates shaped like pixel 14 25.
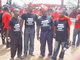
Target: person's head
pixel 61 14
pixel 5 9
pixel 16 12
pixel 44 13
pixel 30 8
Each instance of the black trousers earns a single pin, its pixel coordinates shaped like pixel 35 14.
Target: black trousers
pixel 2 33
pixel 16 44
pixel 2 36
pixel 5 34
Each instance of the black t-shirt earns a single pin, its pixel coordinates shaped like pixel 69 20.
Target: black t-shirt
pixel 61 30
pixel 30 19
pixel 46 23
pixel 14 23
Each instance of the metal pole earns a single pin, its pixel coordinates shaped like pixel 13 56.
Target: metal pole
pixel 0 3
pixel 78 3
pixel 62 3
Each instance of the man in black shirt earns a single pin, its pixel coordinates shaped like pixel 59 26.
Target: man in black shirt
pixel 29 31
pixel 62 30
pixel 45 23
pixel 15 35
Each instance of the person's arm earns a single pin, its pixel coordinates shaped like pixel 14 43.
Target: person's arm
pixel 23 18
pixel 37 28
pixel 38 31
pixel 11 23
pixel 69 34
pixel 52 26
pixel 8 17
pixel 21 24
pixel 69 24
pixel 54 29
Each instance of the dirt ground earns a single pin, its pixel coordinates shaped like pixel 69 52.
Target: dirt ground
pixel 5 53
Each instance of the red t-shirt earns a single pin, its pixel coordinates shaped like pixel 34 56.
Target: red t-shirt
pixel 77 25
pixel 6 18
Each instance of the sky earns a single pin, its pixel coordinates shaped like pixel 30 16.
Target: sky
pixel 21 2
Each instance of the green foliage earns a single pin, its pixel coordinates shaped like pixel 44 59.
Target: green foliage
pixel 71 3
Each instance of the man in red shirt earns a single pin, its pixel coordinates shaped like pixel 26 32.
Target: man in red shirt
pixel 5 19
pixel 77 30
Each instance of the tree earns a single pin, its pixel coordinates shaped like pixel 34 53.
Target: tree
pixel 71 3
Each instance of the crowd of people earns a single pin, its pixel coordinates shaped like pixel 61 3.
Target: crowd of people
pixel 49 24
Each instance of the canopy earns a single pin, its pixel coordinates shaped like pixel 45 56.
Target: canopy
pixel 46 2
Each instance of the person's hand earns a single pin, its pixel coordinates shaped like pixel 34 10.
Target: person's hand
pixel 54 35
pixel 38 37
pixel 21 32
pixel 69 40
